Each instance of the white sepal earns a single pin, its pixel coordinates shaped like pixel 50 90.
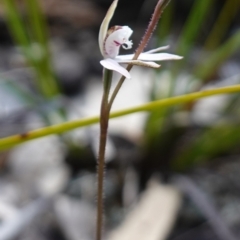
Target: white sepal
pixel 105 23
pixel 111 64
pixel 140 63
pixel 158 49
pixel 151 57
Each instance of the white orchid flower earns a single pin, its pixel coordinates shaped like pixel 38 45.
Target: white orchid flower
pixel 111 40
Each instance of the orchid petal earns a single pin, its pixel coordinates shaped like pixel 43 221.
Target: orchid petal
pixel 141 63
pixel 116 39
pixel 158 49
pixel 151 57
pixel 105 24
pixel 113 65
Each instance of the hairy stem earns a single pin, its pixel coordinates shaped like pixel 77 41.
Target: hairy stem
pixel 104 118
pixel 151 27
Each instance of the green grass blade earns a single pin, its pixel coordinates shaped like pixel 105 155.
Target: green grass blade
pixel 15 23
pixel 165 24
pixel 39 34
pixel 37 22
pixel 192 27
pixel 33 40
pixel 222 24
pixel 6 143
pixel 204 147
pixel 217 58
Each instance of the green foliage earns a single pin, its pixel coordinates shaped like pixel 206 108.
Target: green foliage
pixel 191 30
pixel 30 34
pixel 211 63
pixel 212 42
pixel 28 28
pixel 212 53
pixel 209 143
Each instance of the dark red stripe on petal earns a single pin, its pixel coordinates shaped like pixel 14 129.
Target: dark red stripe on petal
pixel 117 43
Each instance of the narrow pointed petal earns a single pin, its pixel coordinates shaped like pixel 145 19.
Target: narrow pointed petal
pixel 159 57
pixel 105 23
pixel 113 65
pixel 141 63
pixel 158 49
pixel 151 57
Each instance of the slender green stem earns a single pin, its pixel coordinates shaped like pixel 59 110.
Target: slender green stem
pixel 9 142
pixel 117 88
pixel 104 119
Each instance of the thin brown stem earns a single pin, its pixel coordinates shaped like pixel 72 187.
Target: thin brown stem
pixel 151 27
pixel 117 88
pixel 105 110
pixel 104 119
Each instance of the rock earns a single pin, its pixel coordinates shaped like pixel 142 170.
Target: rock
pixel 76 217
pixel 33 161
pixel 17 220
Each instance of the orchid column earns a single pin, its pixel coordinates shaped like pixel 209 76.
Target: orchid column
pixel 110 42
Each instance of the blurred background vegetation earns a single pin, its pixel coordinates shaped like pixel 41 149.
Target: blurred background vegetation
pixel 205 32
pixel 49 51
